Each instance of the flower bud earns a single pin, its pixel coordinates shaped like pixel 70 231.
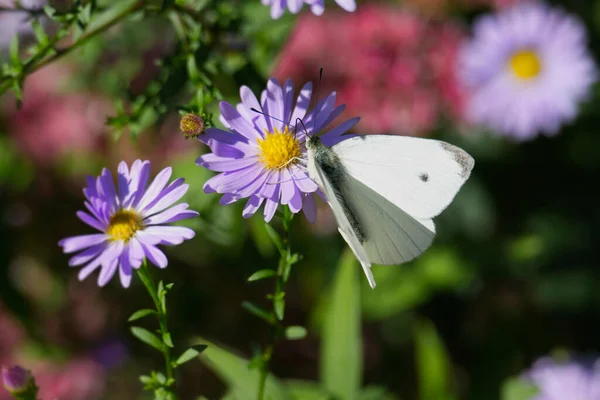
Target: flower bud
pixel 19 382
pixel 191 125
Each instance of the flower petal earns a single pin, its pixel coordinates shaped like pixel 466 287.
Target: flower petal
pixel 157 185
pixel 156 256
pixel 219 164
pixel 237 122
pixel 253 204
pixel 76 243
pixel 91 221
pixel 172 214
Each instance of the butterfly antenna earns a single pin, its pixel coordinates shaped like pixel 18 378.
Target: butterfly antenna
pixel 275 118
pixel 317 105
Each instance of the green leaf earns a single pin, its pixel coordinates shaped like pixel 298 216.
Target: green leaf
pixel 234 371
pixel 262 274
pixel 518 389
pixel 341 352
pixel 274 237
pixel 375 393
pixel 307 390
pixel 279 306
pixel 147 337
pixel 14 51
pixel 433 364
pixel 295 332
pixel 258 312
pixel 190 353
pixel 140 314
pixel 167 339
pixel 39 32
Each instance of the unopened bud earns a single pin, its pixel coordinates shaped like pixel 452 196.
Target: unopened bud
pixel 19 382
pixel 191 125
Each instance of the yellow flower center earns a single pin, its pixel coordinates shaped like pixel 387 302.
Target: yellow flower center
pixel 278 149
pixel 525 64
pixel 124 224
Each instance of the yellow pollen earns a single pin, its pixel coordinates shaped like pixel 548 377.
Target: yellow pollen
pixel 278 149
pixel 525 64
pixel 124 224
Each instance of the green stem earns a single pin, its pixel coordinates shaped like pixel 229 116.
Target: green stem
pixel 161 313
pixel 282 276
pixel 40 61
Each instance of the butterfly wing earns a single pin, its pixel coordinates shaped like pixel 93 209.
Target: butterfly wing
pixel 392 236
pixel 420 176
pixel 344 225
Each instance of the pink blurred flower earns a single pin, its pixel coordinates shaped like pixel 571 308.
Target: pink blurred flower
pixel 391 67
pixel 79 379
pixel 52 124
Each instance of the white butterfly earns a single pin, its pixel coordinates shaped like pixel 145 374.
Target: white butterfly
pixel 385 190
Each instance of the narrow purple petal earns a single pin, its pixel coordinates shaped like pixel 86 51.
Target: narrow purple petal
pixel 91 221
pixel 240 179
pixel 302 103
pixel 157 185
pixel 309 208
pixel 169 196
pixel 107 272
pixel 136 252
pixel 237 122
pixel 334 136
pixel 182 231
pixel 87 254
pixel 275 103
pixel 156 256
pixel 303 181
pixel 172 214
pixel 295 203
pixel 288 96
pixel 125 267
pixel 218 164
pixel 270 208
pixel 76 243
pixel 123 181
pixel 253 204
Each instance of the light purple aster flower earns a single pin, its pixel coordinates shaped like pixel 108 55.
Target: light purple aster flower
pixel 131 219
pixel 568 380
pixel 527 69
pixel 316 6
pixel 261 157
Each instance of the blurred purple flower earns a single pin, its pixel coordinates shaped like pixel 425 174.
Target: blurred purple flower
pixel 17 380
pixel 527 68
pixel 131 220
pixel 259 158
pixel 17 22
pixel 568 380
pixel 316 6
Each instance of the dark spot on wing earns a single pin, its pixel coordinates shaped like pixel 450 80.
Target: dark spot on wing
pixel 464 160
pixel 423 176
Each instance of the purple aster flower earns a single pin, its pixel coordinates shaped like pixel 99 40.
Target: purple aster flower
pixel 261 158
pixel 527 68
pixel 568 380
pixel 131 219
pixel 316 6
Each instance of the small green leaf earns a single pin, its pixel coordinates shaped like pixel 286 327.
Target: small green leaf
pixel 433 363
pixel 39 32
pixel 341 349
pixel 167 339
pixel 14 51
pixel 518 389
pixel 242 381
pixel 190 353
pixel 279 305
pixel 258 312
pixel 295 332
pixel 274 237
pixel 262 274
pixel 140 314
pixel 147 337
